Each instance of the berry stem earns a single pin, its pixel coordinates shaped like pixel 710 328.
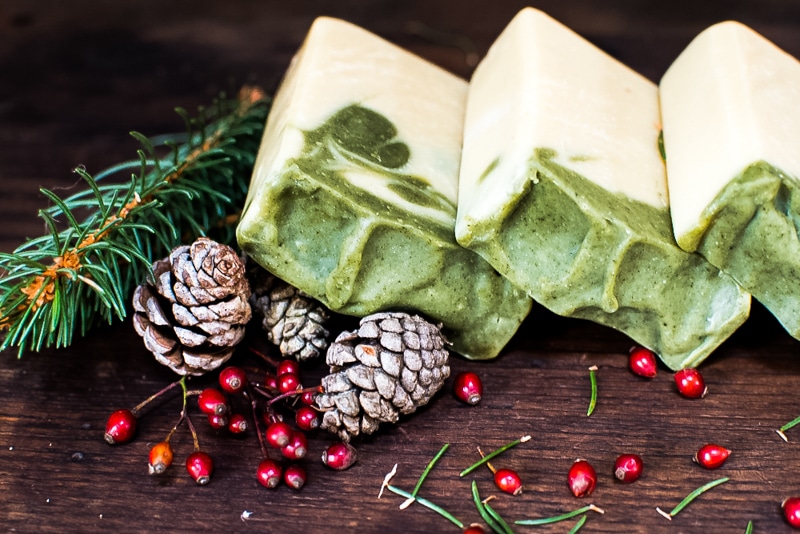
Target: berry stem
pixel 578 525
pixel 270 360
pixel 787 426
pixel 479 504
pixel 427 504
pixel 562 517
pixel 254 409
pixel 139 407
pixel 489 465
pixel 423 476
pixel 492 454
pixel 315 389
pixel 692 496
pixel 593 399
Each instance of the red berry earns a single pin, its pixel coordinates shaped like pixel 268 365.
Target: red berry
pixel 306 418
pixel 339 456
pixel 474 528
pixel 233 379
pixel 268 473
pixel 160 458
pixel 120 427
pixel 271 382
pixel 217 422
pixel 791 510
pixel 200 466
pixel 468 388
pixel 309 398
pixel 642 362
pixel 508 480
pixel 711 456
pixel 237 424
pixel 288 382
pixel 278 434
pixel 581 478
pixel 294 476
pixel 690 383
pixel 212 402
pixel 628 468
pixel 288 366
pixel 297 446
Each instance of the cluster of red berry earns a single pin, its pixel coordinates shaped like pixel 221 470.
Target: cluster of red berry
pixel 269 400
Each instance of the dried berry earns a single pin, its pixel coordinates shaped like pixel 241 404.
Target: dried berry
pixel 200 466
pixel 468 388
pixel 233 379
pixel 120 427
pixel 237 424
pixel 296 447
pixel 268 473
pixel 711 456
pixel 295 477
pixel 581 478
pixel 628 468
pixel 339 456
pixel 278 434
pixel 212 402
pixel 160 458
pixel 690 383
pixel 642 362
pixel 508 480
pixel 307 418
pixel 791 510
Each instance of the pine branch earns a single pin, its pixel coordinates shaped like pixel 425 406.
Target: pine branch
pixel 83 271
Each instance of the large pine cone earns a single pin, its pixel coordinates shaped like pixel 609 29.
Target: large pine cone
pixel 393 364
pixel 293 320
pixel 193 312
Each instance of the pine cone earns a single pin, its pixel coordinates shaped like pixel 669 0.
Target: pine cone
pixel 293 320
pixel 193 313
pixel 393 364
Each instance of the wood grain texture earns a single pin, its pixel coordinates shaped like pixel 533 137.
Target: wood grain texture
pixel 76 77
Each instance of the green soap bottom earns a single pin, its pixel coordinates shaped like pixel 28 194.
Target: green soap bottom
pixel 584 252
pixel 357 260
pixel 751 233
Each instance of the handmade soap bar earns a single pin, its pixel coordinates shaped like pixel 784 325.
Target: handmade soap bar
pixel 731 112
pixel 563 190
pixel 353 196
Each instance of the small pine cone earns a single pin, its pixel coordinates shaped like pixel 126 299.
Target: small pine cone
pixel 292 319
pixel 393 364
pixel 193 312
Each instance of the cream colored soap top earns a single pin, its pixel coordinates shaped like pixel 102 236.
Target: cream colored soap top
pixel 543 86
pixel 732 98
pixel 340 64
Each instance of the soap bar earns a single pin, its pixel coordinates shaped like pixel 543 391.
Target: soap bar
pixel 563 190
pixel 353 195
pixel 731 113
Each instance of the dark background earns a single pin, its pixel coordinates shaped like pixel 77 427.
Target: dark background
pixel 76 77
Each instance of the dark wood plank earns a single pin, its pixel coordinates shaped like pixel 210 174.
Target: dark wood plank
pixel 77 77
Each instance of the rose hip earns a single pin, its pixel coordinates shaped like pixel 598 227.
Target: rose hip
pixel 642 362
pixel 468 388
pixel 582 478
pixel 690 383
pixel 628 468
pixel 711 456
pixel 791 510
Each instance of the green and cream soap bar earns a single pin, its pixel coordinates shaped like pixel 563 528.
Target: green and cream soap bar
pixel 563 190
pixel 731 113
pixel 353 196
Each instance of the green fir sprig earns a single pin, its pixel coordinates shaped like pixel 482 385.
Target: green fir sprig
pixel 103 239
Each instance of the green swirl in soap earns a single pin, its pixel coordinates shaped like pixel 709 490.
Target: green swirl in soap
pixel 358 138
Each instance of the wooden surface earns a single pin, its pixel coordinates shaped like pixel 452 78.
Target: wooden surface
pixel 76 76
